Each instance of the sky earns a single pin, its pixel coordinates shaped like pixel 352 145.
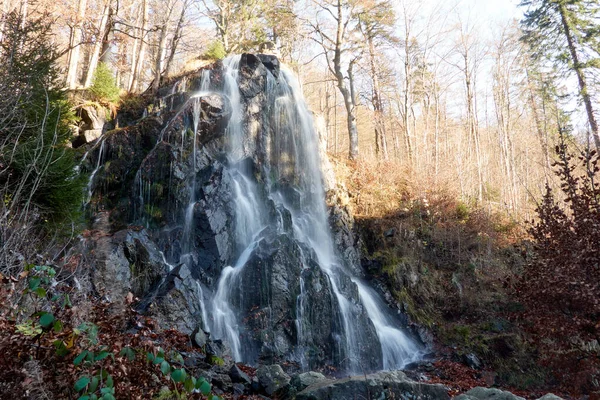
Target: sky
pixel 494 9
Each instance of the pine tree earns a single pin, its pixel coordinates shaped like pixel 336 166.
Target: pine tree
pixel 566 31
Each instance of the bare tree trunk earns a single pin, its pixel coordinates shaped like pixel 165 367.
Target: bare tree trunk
pixel 175 40
pixel 97 45
pixel 106 53
pixel 472 128
pixel 578 67
pixel 160 51
pixel 139 61
pixel 346 93
pixel 134 52
pixel 540 128
pixel 380 134
pixel 75 44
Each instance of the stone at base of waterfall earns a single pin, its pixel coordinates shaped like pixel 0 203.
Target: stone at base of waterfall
pixel 550 396
pixel 384 385
pixel 481 393
pixel 273 380
pixel 304 380
pixel 239 376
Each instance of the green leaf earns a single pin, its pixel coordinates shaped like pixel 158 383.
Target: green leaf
pixel 46 320
pixel 84 397
pixel 58 326
pixel 204 388
pixel 41 292
pixel 81 383
pixel 150 357
pixel 127 352
pixel 94 384
pixel 67 301
pixel 108 396
pixel 80 357
pixel 61 348
pixel 188 385
pixel 110 383
pixel 178 358
pixel 165 368
pixel 178 375
pixel 158 360
pixel 199 382
pixel 34 283
pixel 102 355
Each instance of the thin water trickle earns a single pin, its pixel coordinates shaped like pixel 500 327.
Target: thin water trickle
pixel 90 185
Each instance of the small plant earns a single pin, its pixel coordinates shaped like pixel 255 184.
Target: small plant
pixel 104 87
pixel 39 280
pixel 182 383
pixel 215 51
pixel 95 383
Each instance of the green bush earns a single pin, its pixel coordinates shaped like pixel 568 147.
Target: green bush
pixel 38 166
pixel 215 51
pixel 104 85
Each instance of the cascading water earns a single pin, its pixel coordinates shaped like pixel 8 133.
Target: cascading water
pixel 291 184
pixel 90 185
pixel 248 218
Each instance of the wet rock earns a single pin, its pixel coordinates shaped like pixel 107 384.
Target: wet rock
pixel 239 376
pixel 252 76
pixel 199 337
pixel 382 385
pixel 238 389
pixel 215 113
pixel 222 381
pixel 218 348
pixel 273 380
pixel 472 361
pixel 271 62
pixel 481 393
pixel 195 361
pixel 175 304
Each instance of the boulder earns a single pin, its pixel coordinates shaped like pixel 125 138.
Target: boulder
pixel 239 376
pixel 273 380
pixel 306 379
pixel 199 337
pixel 550 396
pixel 93 117
pixel 481 393
pixel 381 385
pixel 88 136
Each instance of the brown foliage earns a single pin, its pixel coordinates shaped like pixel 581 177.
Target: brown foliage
pixel 561 287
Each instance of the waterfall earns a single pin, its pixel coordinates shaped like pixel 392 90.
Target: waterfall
pixel 292 184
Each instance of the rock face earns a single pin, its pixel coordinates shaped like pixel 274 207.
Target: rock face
pixel 382 385
pixel 228 175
